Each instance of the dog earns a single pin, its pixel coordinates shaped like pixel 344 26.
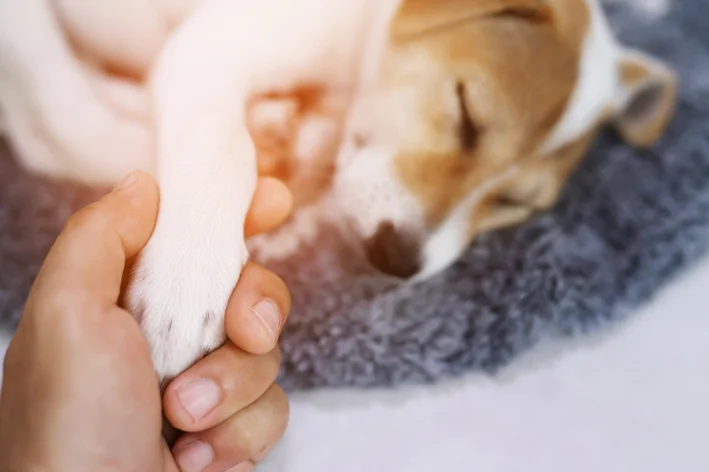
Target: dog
pixel 440 118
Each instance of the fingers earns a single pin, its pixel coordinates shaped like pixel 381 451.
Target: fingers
pixel 271 205
pixel 245 435
pixel 221 386
pixel 87 260
pixel 218 386
pixel 257 310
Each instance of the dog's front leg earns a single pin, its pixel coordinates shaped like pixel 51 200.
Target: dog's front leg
pixel 207 174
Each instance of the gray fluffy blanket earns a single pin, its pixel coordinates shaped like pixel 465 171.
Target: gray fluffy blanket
pixel 627 223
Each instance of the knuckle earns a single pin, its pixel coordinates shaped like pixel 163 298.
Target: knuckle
pixel 251 439
pixel 267 423
pixel 251 432
pixel 231 370
pixel 260 371
pixel 274 362
pixel 280 410
pixel 279 398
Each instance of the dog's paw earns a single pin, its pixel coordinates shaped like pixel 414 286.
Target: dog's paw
pixel 179 290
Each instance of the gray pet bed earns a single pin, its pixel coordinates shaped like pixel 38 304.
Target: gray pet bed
pixel 628 222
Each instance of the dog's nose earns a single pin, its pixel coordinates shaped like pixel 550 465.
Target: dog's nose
pixel 394 252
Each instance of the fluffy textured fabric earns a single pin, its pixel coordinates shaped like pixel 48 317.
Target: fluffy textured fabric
pixel 628 222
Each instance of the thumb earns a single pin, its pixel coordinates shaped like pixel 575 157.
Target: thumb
pixel 88 257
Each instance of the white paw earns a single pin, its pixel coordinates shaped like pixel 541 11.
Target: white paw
pixel 180 288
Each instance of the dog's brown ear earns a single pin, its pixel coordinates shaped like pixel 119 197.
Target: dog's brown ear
pixel 418 17
pixel 646 100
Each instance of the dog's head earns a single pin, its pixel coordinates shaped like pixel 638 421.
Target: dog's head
pixel 473 115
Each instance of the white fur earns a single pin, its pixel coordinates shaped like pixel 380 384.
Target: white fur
pixel 128 34
pixel 597 83
pixel 61 119
pixel 369 192
pixel 5 339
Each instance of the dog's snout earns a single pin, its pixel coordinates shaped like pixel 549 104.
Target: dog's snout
pixel 395 252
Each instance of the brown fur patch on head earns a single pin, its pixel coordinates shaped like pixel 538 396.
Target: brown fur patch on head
pixel 516 63
pixel 421 17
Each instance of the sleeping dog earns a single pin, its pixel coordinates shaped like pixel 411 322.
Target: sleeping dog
pixel 441 118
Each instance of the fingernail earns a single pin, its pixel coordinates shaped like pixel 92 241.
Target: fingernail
pixel 127 182
pixel 267 311
pixel 195 457
pixel 199 397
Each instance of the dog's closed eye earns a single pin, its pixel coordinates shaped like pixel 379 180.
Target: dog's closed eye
pixel 469 133
pixel 505 200
pixel 535 13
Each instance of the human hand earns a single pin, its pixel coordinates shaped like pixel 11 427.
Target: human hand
pixel 79 390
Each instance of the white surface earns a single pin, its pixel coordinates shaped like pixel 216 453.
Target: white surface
pixel 4 342
pixel 635 399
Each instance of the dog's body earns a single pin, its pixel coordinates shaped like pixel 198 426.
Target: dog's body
pixel 444 131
